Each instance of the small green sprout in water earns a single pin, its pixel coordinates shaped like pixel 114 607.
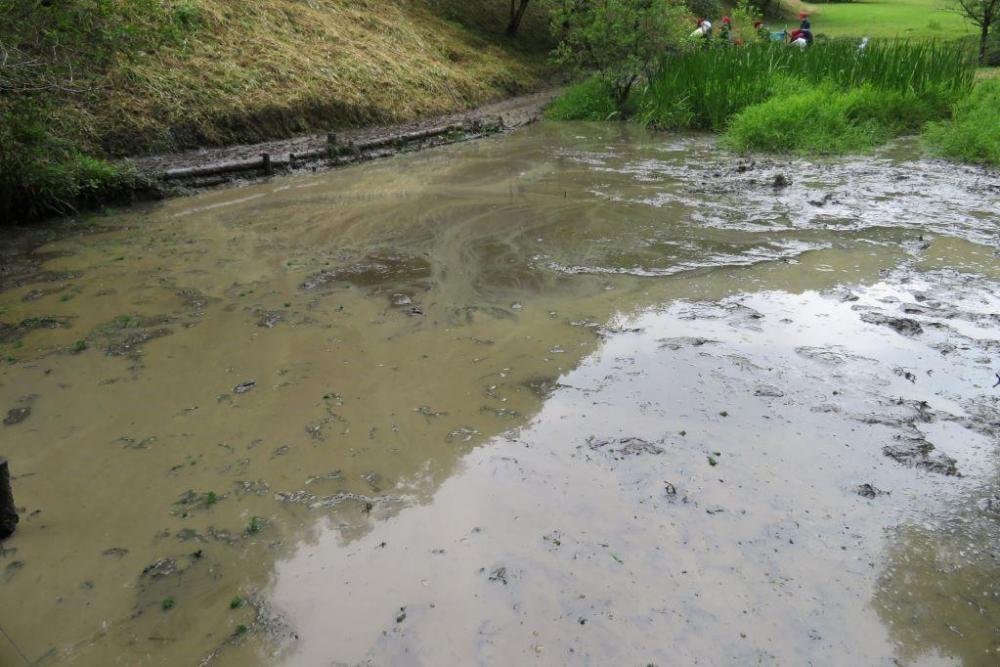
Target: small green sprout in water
pixel 712 462
pixel 80 346
pixel 168 603
pixel 211 498
pixel 256 525
pixel 66 297
pixel 236 602
pixel 240 630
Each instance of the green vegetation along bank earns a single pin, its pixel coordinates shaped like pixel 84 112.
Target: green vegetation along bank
pixel 87 81
pixel 836 96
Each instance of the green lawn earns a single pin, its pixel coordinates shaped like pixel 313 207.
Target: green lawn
pixel 889 18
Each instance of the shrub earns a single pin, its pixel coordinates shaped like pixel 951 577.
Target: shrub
pixel 973 134
pixel 592 99
pixel 620 39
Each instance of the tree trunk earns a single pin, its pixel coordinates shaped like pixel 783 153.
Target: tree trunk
pixel 984 41
pixel 8 514
pixel 517 9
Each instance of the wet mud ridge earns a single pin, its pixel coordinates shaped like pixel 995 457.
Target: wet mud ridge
pixel 205 168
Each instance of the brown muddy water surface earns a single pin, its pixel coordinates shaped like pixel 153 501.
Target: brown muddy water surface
pixel 576 395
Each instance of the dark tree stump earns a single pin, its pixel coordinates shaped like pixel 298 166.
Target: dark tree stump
pixel 8 514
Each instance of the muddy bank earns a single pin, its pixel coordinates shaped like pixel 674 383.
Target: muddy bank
pixel 540 395
pixel 177 173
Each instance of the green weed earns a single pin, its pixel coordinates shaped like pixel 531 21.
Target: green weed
pixel 828 120
pixel 973 133
pixel 255 525
pixel 236 602
pixel 592 99
pixel 167 604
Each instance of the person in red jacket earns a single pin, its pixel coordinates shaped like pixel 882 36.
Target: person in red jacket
pixel 727 31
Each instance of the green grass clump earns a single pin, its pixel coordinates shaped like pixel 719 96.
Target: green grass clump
pixel 588 100
pixel 43 174
pixel 825 119
pixel 973 133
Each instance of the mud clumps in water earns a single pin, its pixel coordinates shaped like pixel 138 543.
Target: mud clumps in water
pixel 620 448
pixel 679 342
pixel 193 299
pixel 245 387
pixel 915 451
pixel 125 336
pixel 16 416
pixel 869 491
pixel 268 319
pixel 542 387
pixel 373 271
pixel 12 332
pixel 904 326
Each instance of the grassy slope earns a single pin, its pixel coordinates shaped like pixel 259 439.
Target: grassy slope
pixel 259 69
pixel 921 19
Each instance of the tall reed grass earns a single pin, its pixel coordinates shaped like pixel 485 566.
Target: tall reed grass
pixel 705 88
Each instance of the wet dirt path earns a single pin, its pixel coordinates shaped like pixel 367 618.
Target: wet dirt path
pixel 576 395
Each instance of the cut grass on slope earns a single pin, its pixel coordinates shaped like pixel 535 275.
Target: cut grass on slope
pixel 266 69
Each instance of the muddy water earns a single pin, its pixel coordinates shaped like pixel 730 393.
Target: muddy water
pixel 577 395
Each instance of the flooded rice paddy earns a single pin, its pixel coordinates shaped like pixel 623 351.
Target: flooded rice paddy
pixel 576 395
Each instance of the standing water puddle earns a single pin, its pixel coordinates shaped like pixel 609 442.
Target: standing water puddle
pixel 577 395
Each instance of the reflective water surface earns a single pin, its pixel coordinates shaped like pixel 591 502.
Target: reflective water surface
pixel 576 395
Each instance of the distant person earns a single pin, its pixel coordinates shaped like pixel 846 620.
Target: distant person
pixel 727 30
pixel 797 38
pixel 806 29
pixel 762 32
pixel 703 31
